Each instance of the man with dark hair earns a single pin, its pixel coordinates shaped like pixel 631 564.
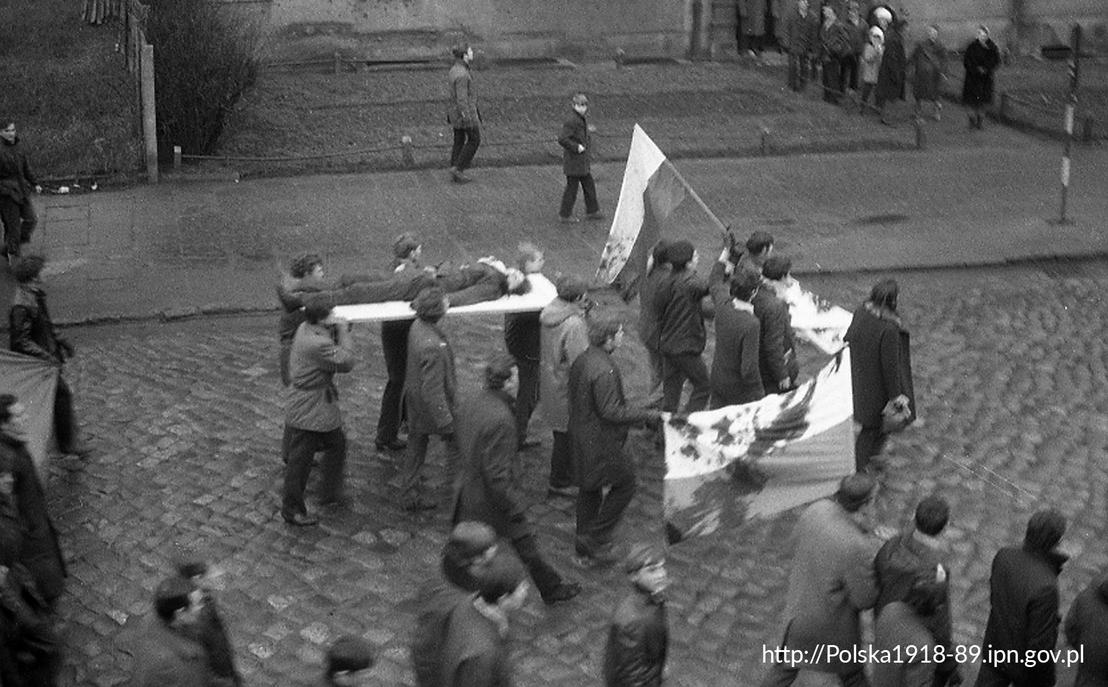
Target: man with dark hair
pixel 322 347
pixel 429 389
pixel 32 333
pixel 305 276
pixel 475 650
pixel 1024 607
pixel 599 419
pixel 776 347
pixel 463 115
pixel 735 377
pixel 904 628
pixel 406 253
pixel 17 214
pixel 680 312
pixel 576 143
pixel 40 553
pixel 638 636
pixel 758 249
pixel 168 655
pixel 346 659
pixel 564 336
pixel 657 272
pixel 915 554
pixel 523 339
pixel 831 583
pixel 209 628
pixel 486 490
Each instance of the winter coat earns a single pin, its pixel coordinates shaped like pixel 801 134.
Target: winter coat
pixel 40 553
pixel 928 63
pixel 32 332
pixel 1086 627
pixel 831 582
pixel 166 657
pixel 735 377
pixel 891 81
pixel 897 628
pixel 776 346
pixel 680 316
pixel 871 62
pixel 486 490
pixel 599 417
pixel 834 41
pixel 752 17
pixel 16 179
pixel 638 638
pixel 523 336
pixel 980 61
pixel 880 363
pixel 463 112
pixel 430 382
pixel 649 328
pixel 575 132
pixel 564 336
pixel 1023 613
pixel 474 654
pixel 801 31
pixel 314 361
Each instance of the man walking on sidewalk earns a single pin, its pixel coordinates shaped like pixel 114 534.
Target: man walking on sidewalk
pixel 463 114
pixel 16 183
pixel 576 163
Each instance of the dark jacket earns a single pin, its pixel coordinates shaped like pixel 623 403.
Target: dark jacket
pixel 474 654
pixel 599 416
pixel 575 132
pixel 167 657
pixel 680 317
pixel 928 63
pixel 32 331
pixel 1087 628
pixel 638 638
pixel 41 553
pixel 649 328
pixel 894 631
pixel 735 376
pixel 880 363
pixel 776 346
pixel 799 36
pixel 16 179
pixel 429 382
pixel 486 491
pixel 1023 613
pixel 462 112
pixel 891 75
pixel 980 62
pixel 522 335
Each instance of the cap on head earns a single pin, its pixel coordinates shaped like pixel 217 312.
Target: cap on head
pixel 855 491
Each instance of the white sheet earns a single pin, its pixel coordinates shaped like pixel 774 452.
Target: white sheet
pixel 541 293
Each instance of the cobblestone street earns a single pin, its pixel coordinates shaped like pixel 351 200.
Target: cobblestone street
pixel 1011 368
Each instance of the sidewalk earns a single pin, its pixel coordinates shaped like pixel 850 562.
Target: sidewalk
pixel 188 248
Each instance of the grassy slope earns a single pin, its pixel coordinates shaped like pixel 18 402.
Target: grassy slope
pixel 67 89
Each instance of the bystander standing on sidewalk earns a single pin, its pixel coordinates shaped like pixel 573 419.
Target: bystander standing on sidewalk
pixel 928 66
pixel 891 84
pixel 859 36
pixel 981 58
pixel 463 115
pixel 870 64
pixel 17 214
pixel 799 40
pixel 834 47
pixel 576 142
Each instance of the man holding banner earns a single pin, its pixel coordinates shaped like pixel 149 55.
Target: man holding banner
pixel 678 306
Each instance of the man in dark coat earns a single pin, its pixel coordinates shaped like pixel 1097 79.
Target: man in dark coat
pixel 486 490
pixel 429 391
pixel 406 252
pixel 463 114
pixel 475 651
pixel 638 636
pixel 599 419
pixel 880 368
pixel 1086 629
pixel 576 157
pixel 167 654
pixel 209 629
pixel 657 272
pixel 904 630
pixel 523 339
pixel 40 553
pixel 919 554
pixel 735 376
pixel 680 312
pixel 799 40
pixel 17 214
pixel 981 58
pixel 776 346
pixel 892 75
pixel 835 45
pixel 1023 612
pixel 32 332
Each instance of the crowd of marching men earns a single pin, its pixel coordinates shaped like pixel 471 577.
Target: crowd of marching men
pixel 844 565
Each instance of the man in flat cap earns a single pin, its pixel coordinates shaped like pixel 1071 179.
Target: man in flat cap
pixel 831 583
pixel 638 635
pixel 347 660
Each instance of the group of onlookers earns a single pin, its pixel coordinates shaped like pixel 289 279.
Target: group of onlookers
pixel 860 56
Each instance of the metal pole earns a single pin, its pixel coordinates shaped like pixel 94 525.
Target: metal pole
pixel 149 119
pixel 1075 67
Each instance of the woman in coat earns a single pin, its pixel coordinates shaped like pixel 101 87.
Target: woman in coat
pixel 980 60
pixel 880 368
pixel 891 75
pixel 928 63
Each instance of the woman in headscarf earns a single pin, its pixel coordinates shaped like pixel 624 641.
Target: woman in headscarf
pixel 981 59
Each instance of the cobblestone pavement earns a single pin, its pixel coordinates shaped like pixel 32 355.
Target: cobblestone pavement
pixel 185 418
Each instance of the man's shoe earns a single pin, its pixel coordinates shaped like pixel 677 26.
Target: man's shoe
pixel 568 220
pixel 563 591
pixel 391 445
pixel 300 520
pixel 417 505
pixel 561 492
pixel 459 177
pixel 595 215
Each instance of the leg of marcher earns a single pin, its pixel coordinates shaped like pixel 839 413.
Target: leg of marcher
pixel 569 197
pixel 588 505
pixel 694 369
pixel 65 423
pixel 301 448
pixel 29 221
pixel 333 465
pixel 473 141
pixel 527 396
pixel 394 344
pixel 869 443
pixel 673 380
pixel 452 459
pixel 561 462
pixel 620 493
pixel 412 476
pixel 545 577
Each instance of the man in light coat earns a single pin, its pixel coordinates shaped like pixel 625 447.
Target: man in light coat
pixel 831 583
pixel 564 337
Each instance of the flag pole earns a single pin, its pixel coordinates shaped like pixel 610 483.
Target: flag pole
pixel 695 196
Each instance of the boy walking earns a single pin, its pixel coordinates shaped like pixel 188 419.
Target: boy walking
pixel 576 158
